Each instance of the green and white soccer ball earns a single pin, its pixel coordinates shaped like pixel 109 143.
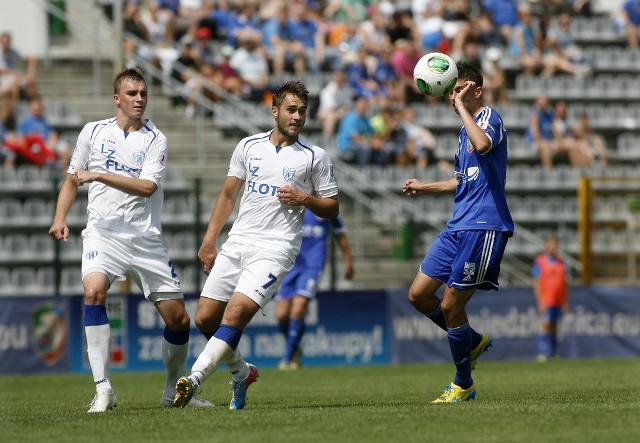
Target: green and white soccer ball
pixel 435 74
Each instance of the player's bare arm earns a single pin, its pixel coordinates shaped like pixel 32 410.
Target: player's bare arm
pixel 322 207
pixel 59 229
pixel 219 216
pixel 134 186
pixel 414 187
pixel 467 101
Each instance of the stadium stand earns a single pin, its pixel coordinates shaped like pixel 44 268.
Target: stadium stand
pixel 543 201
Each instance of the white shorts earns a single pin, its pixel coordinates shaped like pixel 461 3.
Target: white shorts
pixel 145 258
pixel 250 270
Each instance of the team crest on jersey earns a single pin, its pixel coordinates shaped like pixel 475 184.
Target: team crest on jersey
pixel 139 157
pixel 469 270
pixel 288 173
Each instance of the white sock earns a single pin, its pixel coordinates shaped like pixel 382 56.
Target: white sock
pixel 237 366
pixel 215 352
pixel 98 350
pixel 175 364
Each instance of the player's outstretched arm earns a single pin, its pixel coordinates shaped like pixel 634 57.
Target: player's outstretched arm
pixel 59 229
pixel 414 187
pixel 131 185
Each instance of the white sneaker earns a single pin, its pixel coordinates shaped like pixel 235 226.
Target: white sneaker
pixel 103 401
pixel 195 402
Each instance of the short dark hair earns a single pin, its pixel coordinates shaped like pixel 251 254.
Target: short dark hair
pixel 135 74
pixel 294 87
pixel 467 71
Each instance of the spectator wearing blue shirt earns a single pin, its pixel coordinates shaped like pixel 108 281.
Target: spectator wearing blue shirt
pixel 35 124
pixel 631 15
pixel 355 134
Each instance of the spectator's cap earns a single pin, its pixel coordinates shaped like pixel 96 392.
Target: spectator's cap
pixel 203 33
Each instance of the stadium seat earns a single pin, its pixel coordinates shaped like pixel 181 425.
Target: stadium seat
pixel 11 212
pixel 189 278
pixel 46 280
pixel 182 245
pixel 38 211
pixel 71 250
pixel 23 280
pixel 41 247
pixel 16 247
pixel 71 281
pixel 5 279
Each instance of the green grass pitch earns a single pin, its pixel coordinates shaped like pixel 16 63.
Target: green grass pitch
pixel 561 401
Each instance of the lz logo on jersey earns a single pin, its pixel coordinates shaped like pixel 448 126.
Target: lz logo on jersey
pixel 469 271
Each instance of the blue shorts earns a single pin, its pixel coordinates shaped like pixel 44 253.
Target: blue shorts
pixel 300 281
pixel 466 259
pixel 553 314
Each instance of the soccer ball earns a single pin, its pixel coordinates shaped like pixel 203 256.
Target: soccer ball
pixel 435 74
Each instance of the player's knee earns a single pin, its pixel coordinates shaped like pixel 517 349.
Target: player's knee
pixel 94 296
pixel 180 321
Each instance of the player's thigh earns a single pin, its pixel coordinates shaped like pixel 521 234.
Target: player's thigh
pixel 261 278
pixel 423 287
pixel 153 270
pixel 224 275
pixel 477 261
pixel 108 255
pixel 440 256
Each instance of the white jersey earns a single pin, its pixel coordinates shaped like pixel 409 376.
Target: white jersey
pixel 103 147
pixel 262 219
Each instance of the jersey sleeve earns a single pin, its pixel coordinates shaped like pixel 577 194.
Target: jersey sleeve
pixel 156 160
pixel 236 165
pixel 80 157
pixel 492 125
pixel 324 181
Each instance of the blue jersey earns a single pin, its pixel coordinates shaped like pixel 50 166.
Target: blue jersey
pixel 481 202
pixel 315 230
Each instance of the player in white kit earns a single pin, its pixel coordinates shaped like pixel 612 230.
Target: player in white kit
pixel 123 160
pixel 282 175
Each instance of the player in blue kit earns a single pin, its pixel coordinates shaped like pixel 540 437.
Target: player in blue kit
pixel 300 285
pixel 466 255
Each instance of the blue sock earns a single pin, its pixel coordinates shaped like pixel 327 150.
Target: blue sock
pixel 176 337
pixel 553 345
pixel 296 331
pixel 460 344
pixel 284 328
pixel 438 318
pixel 229 335
pixel 95 315
pixel 543 347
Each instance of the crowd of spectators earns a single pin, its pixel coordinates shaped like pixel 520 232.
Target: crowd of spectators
pixel 213 48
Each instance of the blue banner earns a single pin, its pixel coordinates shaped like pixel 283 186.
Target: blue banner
pixel 34 335
pixel 602 322
pixel 46 334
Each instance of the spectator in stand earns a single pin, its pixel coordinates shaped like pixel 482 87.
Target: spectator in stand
pixel 160 36
pixel 14 82
pixel 401 27
pixel 184 67
pixel 336 98
pixel 504 16
pixel 362 79
pixel 495 79
pixel 242 22
pixel 421 144
pixel 282 48
pixel 390 133
pixel 525 43
pixel 560 52
pixel 373 33
pixel 35 126
pixel 404 58
pixel 355 137
pixel 591 143
pixel 576 153
pixel 205 47
pixel 251 64
pixel 307 31
pixel 542 134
